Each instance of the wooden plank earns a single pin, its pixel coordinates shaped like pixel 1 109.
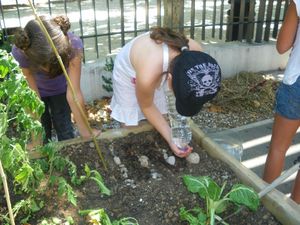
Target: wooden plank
pixel 282 207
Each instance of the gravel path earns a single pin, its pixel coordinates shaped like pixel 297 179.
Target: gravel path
pixel 216 121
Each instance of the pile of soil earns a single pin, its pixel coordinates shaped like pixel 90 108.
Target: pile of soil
pixel 151 192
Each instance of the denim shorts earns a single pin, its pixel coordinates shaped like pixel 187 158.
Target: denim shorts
pixel 287 102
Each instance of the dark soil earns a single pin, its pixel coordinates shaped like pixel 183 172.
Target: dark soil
pixel 154 194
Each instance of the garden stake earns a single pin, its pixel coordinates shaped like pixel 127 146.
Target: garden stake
pixel 69 83
pixel 271 186
pixel 10 212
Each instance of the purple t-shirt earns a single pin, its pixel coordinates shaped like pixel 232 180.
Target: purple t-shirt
pixel 48 87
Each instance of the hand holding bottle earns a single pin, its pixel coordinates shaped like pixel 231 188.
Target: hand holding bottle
pixel 180 153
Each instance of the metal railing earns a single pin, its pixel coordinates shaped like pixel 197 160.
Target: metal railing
pixel 106 25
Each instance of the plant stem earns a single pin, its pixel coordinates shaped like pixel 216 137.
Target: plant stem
pixel 69 83
pixel 212 216
pixel 11 215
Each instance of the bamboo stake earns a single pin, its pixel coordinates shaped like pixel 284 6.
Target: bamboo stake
pixel 10 212
pixel 69 83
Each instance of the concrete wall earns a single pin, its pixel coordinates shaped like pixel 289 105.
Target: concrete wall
pixel 233 57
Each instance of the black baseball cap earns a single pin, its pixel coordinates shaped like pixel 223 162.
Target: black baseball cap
pixel 196 79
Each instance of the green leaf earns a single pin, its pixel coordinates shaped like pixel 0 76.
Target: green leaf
pixel 222 206
pixel 3 120
pixel 243 195
pixel 102 188
pixel 23 176
pixel 193 216
pixel 34 206
pixel 6 153
pixel 204 186
pixel 87 170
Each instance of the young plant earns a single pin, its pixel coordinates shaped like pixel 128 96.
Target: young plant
pixel 57 221
pixel 6 41
pixel 216 201
pixel 18 104
pixel 95 176
pixel 109 66
pixel 100 217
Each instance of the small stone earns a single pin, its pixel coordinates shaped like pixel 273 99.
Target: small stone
pixel 266 216
pixel 144 161
pixel 171 160
pixel 117 160
pixel 193 158
pixel 92 145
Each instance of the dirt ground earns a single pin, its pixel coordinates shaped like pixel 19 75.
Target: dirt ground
pixel 151 192
pixel 154 192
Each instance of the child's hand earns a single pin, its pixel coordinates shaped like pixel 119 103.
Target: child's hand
pixel 179 153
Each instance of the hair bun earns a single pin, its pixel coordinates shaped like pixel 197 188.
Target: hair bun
pixel 63 22
pixel 22 40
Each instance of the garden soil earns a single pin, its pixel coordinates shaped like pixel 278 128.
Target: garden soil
pixel 143 184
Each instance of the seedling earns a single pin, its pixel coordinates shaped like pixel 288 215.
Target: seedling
pixel 100 217
pixel 95 176
pixel 216 202
pixel 109 66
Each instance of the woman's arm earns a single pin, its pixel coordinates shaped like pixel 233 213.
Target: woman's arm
pixel 74 75
pixel 145 89
pixel 288 29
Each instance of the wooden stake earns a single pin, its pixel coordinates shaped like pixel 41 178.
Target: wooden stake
pixel 11 215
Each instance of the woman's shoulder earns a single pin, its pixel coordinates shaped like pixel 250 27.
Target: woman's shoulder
pixel 19 55
pixel 194 45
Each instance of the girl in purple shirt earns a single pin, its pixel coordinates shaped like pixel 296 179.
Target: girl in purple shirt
pixel 45 76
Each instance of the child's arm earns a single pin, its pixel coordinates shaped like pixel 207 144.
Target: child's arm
pixel 145 94
pixel 288 29
pixel 74 74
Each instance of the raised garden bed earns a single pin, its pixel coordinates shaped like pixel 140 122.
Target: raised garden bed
pixel 153 192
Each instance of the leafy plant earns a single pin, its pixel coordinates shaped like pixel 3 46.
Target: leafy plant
pixel 109 66
pixel 57 221
pixel 6 42
pixel 216 202
pixel 20 109
pixel 95 176
pixel 100 217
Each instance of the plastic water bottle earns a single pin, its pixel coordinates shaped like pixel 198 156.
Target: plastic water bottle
pixel 229 144
pixel 180 130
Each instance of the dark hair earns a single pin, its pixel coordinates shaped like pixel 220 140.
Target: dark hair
pixel 174 40
pixel 35 45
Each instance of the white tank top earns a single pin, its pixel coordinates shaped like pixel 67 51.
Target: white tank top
pixel 124 104
pixel 292 70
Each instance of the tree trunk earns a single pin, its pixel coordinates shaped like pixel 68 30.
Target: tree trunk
pixel 173 14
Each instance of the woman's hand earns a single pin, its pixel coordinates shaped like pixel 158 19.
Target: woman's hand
pixel 179 153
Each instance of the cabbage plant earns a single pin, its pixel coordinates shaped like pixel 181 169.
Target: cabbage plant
pixel 216 201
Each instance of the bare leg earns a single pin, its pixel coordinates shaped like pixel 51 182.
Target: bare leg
pixel 282 135
pixel 296 189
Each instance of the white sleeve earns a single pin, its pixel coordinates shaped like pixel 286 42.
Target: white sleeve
pixel 297 3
